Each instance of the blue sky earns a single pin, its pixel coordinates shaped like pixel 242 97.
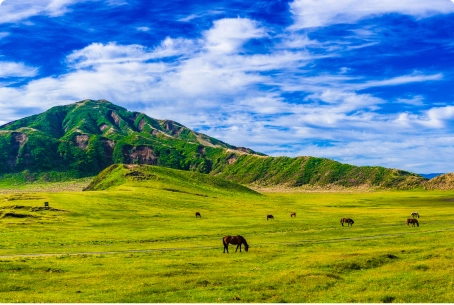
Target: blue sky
pixel 364 82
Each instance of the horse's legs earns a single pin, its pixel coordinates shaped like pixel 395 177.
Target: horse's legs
pixel 226 246
pixel 239 245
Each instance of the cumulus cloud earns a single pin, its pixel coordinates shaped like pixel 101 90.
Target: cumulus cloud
pixel 12 69
pixel 318 13
pixel 15 11
pixel 215 84
pixel 228 35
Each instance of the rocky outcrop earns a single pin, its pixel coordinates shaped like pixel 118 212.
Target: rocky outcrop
pixel 81 141
pixel 108 146
pixel 139 155
pixel 18 139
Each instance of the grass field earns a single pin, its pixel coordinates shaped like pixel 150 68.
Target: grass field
pixel 140 242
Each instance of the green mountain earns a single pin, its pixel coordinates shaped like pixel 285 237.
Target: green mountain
pixel 84 138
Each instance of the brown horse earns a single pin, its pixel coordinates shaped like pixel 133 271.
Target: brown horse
pixel 269 216
pixel 348 221
pixel 292 214
pixel 234 240
pixel 415 215
pixel 197 214
pixel 413 221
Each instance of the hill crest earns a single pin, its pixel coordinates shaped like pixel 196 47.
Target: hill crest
pixel 84 138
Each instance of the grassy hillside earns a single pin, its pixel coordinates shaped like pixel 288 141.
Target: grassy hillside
pixel 82 139
pixel 155 177
pixel 441 182
pixel 311 171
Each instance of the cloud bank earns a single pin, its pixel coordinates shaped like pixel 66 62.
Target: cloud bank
pixel 288 92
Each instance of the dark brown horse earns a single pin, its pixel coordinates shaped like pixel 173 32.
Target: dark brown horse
pixel 348 221
pixel 197 214
pixel 269 216
pixel 292 214
pixel 412 221
pixel 234 240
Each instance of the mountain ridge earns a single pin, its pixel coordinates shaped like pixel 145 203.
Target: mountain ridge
pixel 83 138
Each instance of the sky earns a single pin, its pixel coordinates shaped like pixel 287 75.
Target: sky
pixel 363 82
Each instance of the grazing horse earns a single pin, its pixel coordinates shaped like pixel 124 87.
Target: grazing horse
pixel 415 215
pixel 292 214
pixel 197 214
pixel 234 240
pixel 348 221
pixel 269 216
pixel 413 221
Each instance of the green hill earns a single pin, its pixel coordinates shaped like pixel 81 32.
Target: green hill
pixel 84 138
pixel 162 178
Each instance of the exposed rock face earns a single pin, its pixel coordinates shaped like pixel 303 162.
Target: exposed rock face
pixel 244 149
pixel 139 155
pixel 141 124
pixel 81 141
pixel 103 127
pixel 108 146
pixel 232 159
pixel 115 118
pixel 17 140
pixel 201 150
pixel 174 130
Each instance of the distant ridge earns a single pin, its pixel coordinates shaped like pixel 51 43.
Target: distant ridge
pixel 84 138
pixel 430 176
pixel 441 182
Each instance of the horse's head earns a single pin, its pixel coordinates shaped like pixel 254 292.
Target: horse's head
pixel 246 247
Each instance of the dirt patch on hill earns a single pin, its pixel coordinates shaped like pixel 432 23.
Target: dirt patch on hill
pixel 16 215
pixel 81 141
pixel 30 208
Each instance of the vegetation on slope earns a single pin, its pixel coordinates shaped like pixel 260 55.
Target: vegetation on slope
pixel 311 171
pixel 82 139
pixel 441 182
pixel 86 137
pixel 164 179
pixel 132 244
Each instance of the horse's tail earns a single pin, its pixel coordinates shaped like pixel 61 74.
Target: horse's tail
pixel 417 223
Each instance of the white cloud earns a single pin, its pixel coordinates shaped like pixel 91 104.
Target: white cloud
pixel 212 84
pixel 318 13
pixel 12 69
pixel 15 11
pixel 143 29
pixel 228 35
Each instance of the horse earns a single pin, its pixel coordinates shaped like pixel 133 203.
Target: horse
pixel 269 216
pixel 234 240
pixel 348 221
pixel 292 214
pixel 197 214
pixel 415 214
pixel 413 221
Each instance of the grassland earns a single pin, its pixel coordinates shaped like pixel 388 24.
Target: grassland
pixel 139 241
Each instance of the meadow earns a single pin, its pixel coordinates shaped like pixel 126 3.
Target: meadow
pixel 141 242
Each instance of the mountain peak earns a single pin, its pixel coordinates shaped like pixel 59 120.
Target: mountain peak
pixel 89 135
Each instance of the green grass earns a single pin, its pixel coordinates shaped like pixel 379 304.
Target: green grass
pixel 159 251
